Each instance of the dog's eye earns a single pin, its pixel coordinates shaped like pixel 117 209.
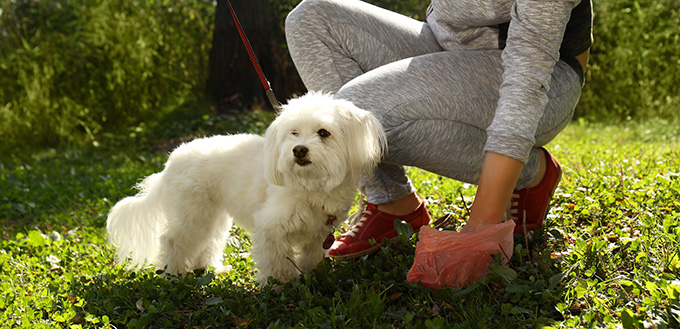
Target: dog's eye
pixel 323 133
pixel 294 133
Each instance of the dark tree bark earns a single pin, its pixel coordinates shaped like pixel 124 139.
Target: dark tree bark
pixel 233 83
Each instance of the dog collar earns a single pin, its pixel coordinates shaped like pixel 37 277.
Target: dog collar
pixel 331 219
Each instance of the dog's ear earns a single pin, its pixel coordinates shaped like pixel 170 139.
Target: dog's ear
pixel 271 155
pixel 366 142
pixel 376 145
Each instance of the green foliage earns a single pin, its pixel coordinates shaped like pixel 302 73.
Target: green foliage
pixel 635 61
pixel 607 257
pixel 72 69
pixel 77 71
pixel 118 72
pixel 618 215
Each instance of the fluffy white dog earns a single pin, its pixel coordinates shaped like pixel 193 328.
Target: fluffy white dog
pixel 286 189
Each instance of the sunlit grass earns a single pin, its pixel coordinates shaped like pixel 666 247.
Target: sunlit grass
pixel 608 255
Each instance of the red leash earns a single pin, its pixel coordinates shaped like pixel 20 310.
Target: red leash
pixel 265 83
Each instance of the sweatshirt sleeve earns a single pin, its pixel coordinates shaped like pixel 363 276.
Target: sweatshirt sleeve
pixel 531 51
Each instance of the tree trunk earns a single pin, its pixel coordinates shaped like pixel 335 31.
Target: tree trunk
pixel 233 83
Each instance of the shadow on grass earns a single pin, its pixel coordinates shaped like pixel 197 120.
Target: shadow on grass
pixel 366 292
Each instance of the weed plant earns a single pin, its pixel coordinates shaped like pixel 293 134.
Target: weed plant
pixel 607 257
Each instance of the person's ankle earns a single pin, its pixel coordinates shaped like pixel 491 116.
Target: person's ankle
pixel 403 206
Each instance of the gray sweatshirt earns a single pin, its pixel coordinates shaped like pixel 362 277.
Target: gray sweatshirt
pixel 535 36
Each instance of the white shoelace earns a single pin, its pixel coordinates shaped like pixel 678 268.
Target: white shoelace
pixel 355 229
pixel 511 212
pixel 358 219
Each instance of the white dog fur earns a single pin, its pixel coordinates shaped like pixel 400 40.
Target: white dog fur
pixel 282 188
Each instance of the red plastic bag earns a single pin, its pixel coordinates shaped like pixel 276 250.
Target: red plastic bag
pixel 454 259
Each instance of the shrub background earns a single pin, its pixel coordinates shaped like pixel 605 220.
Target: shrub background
pixel 635 61
pixel 86 71
pixel 75 69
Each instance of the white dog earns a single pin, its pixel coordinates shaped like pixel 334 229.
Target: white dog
pixel 286 189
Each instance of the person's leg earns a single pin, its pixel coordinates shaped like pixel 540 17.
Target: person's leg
pixel 435 109
pixel 334 41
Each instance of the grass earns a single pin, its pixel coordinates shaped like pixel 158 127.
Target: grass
pixel 608 256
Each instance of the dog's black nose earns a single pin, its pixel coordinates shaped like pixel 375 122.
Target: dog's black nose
pixel 300 151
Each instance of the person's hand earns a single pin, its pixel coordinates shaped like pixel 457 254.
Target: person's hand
pixel 477 225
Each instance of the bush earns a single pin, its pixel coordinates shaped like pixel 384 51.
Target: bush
pixel 635 61
pixel 70 68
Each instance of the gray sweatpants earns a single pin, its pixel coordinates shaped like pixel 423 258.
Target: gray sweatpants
pixel 435 104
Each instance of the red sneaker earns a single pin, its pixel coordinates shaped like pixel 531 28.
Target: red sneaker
pixel 371 228
pixel 529 206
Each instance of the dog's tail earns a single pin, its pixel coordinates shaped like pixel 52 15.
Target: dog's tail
pixel 134 224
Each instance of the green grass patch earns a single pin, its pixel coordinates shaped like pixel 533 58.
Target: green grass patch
pixel 608 255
